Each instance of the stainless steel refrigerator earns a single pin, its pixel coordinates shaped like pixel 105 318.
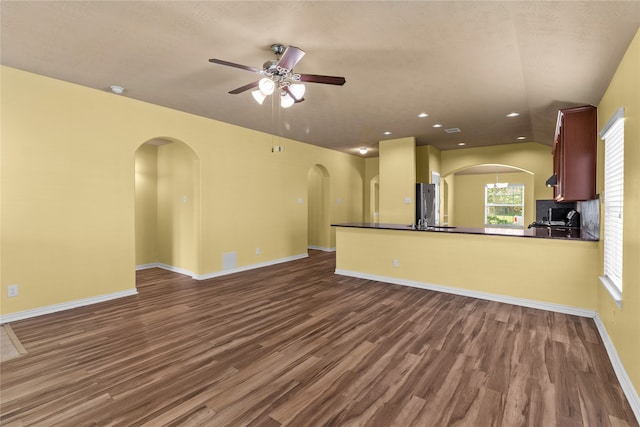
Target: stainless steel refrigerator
pixel 427 205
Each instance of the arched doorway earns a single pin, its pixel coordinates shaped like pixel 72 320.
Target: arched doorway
pixel 465 200
pixel 319 212
pixel 167 206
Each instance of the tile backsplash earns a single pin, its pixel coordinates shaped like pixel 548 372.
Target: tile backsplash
pixel 542 208
pixel 590 217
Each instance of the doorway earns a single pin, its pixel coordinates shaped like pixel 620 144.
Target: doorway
pixel 318 214
pixel 167 206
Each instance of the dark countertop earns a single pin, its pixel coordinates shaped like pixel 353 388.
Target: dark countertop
pixel 544 232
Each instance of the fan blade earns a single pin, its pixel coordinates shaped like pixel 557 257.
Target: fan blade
pixel 295 100
pixel 245 88
pixel 232 64
pixel 290 58
pixel 328 80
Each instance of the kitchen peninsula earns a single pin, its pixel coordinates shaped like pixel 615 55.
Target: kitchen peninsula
pixel 515 266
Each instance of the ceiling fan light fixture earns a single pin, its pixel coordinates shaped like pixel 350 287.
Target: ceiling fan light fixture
pixel 298 90
pixel 258 96
pixel 266 86
pixel 286 101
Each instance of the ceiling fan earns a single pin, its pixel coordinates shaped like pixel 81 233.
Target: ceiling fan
pixel 278 74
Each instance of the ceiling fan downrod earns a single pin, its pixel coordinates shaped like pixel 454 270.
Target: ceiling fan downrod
pixel 278 49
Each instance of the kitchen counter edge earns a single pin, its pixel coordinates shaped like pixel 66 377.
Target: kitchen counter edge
pixel 548 232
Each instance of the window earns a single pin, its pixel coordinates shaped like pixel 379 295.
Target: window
pixel 504 205
pixel 613 136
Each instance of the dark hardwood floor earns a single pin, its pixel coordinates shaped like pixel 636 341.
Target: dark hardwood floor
pixel 294 344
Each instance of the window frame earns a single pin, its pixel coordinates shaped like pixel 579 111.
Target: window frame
pixel 487 205
pixel 613 203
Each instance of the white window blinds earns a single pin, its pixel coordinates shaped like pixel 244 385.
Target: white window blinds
pixel 613 135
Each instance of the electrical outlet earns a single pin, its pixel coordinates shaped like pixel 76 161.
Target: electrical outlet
pixel 395 263
pixel 257 251
pixel 12 291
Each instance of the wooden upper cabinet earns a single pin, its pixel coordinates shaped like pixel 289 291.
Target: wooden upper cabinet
pixel 575 154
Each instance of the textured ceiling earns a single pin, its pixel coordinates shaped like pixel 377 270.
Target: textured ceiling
pixel 466 64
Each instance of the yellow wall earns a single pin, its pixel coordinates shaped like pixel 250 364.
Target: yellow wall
pixel 427 161
pixel 68 190
pixel 434 161
pixel 502 265
pixel 623 325
pixel 397 180
pixel 178 199
pixel 422 164
pixel 469 197
pixel 146 204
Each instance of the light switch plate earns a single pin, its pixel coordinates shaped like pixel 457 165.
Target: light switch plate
pixel 12 291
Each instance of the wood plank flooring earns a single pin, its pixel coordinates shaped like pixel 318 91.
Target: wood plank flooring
pixel 296 345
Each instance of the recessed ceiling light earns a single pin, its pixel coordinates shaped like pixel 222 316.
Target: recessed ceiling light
pixel 116 89
pixel 514 114
pixel 461 144
pixel 387 133
pixel 423 115
pixel 437 125
pixel 521 137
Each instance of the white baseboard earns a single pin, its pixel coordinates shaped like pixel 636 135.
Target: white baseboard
pixel 219 273
pixel 320 248
pixel 625 382
pixel 147 266
pixel 12 317
pixel 166 267
pixel 576 311
pixel 248 267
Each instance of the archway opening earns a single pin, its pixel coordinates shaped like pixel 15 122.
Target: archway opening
pixel 319 212
pixel 465 203
pixel 167 206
